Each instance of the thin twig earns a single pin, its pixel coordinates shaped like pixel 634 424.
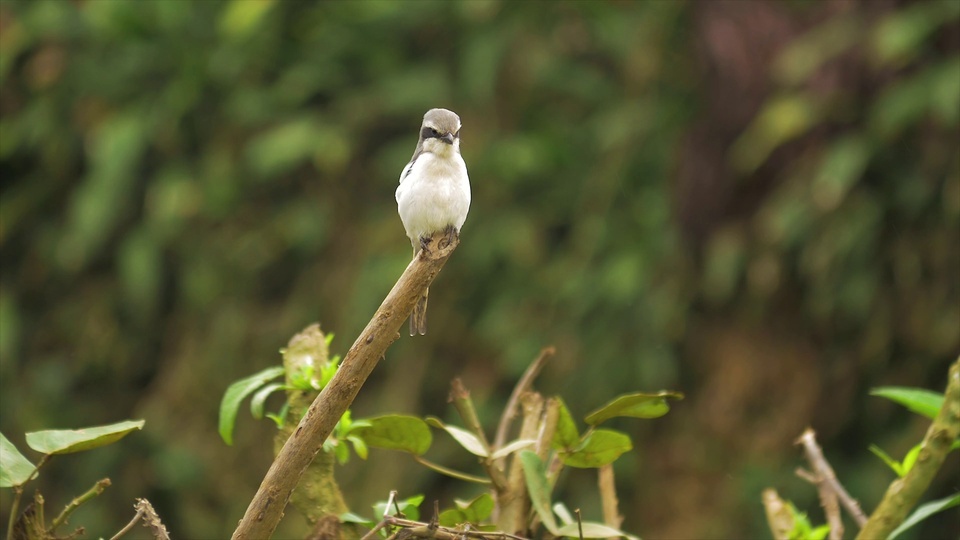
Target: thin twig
pixel 510 411
pixel 825 475
pixel 97 489
pixel 579 523
pixel 460 397
pixel 904 493
pixel 267 506
pixel 129 526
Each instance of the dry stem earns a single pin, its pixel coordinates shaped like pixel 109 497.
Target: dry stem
pixel 265 510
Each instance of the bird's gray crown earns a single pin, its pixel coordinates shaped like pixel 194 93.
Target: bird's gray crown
pixel 440 123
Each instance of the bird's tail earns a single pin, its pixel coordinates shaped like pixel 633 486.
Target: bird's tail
pixel 418 319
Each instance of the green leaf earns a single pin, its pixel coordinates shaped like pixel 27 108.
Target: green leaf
pixel 465 438
pixel 15 469
pixel 474 511
pixel 566 436
pixel 892 463
pixel 923 402
pixel 635 406
pixel 68 441
pixel 539 488
pixel 599 448
pixel 260 398
pixel 236 393
pixel 395 432
pixel 910 459
pixel 519 444
pixel 563 513
pixel 359 446
pixel 924 511
pixel 409 507
pixel 592 530
pixel 349 517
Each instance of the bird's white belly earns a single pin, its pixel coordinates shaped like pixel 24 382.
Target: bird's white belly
pixel 435 195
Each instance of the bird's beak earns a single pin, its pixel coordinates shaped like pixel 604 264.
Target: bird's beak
pixel 448 138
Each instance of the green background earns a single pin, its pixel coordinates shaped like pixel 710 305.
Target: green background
pixel 754 202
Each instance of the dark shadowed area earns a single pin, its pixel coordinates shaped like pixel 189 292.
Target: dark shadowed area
pixel 756 203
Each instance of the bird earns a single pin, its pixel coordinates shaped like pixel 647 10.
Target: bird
pixel 434 191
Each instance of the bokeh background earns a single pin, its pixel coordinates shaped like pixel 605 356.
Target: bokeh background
pixel 754 202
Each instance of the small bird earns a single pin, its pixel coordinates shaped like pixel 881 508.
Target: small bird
pixel 434 191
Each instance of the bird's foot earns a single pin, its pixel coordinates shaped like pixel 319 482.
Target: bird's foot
pixel 451 234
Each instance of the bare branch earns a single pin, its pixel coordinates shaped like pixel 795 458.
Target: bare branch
pixel 828 479
pixel 267 506
pixel 608 497
pixel 779 516
pixel 510 411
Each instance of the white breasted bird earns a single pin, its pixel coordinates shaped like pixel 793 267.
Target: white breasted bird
pixel 434 191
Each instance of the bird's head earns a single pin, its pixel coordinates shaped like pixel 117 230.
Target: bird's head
pixel 440 132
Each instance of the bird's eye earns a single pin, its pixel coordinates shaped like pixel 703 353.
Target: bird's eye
pixel 457 134
pixel 429 133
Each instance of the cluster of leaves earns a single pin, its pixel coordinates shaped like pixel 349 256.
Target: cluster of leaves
pixel 16 470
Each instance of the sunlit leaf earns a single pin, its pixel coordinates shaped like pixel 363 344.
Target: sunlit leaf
pixel 538 487
pixel 637 405
pixel 924 511
pixel 259 399
pixel 892 463
pixel 600 447
pixel 566 435
pixel 236 393
pixel 473 511
pixel 923 402
pixel 409 507
pixel 15 469
pixel 395 432
pixel 513 447
pixel 910 459
pixel 67 441
pixel 466 439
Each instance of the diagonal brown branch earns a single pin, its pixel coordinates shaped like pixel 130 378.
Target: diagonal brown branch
pixel 830 489
pixel 904 493
pixel 267 506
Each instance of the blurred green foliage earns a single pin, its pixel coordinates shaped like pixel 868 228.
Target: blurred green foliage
pixel 671 194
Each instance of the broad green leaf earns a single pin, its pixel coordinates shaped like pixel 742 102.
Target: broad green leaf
pixel 15 469
pixel 924 511
pixel 67 441
pixel 592 530
pixel 260 398
pixel 474 511
pixel 465 438
pixel 409 507
pixel 519 444
pixel 599 448
pixel 236 393
pixel 635 406
pixel 395 432
pixel 539 489
pixel 566 436
pixel 923 402
pixel 892 463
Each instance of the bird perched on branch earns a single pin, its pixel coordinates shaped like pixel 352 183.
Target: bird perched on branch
pixel 434 191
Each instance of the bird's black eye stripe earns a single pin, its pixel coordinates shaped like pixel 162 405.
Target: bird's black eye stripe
pixel 429 133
